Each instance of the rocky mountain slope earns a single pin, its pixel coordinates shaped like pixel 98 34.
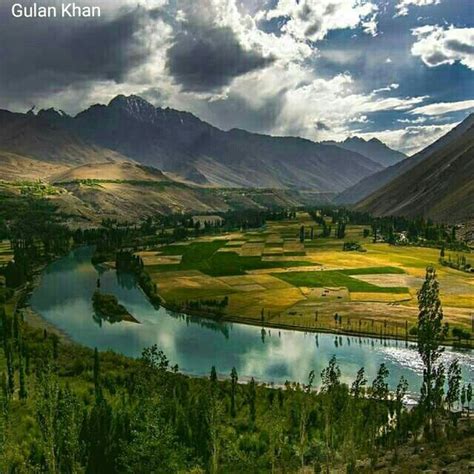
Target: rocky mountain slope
pixel 376 181
pixel 36 137
pixel 183 145
pixel 439 186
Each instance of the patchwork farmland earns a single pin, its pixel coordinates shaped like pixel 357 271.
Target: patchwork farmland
pixel 274 277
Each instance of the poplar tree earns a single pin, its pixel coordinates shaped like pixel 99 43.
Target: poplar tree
pixel 431 334
pixel 233 391
pixel 98 391
pixel 454 384
pixel 252 398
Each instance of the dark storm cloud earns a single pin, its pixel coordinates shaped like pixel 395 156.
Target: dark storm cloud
pixel 435 59
pixel 320 125
pixel 460 47
pixel 205 58
pixel 235 112
pixel 41 57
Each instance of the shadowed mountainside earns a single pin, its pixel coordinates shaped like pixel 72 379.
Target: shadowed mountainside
pixel 440 186
pixel 36 137
pixel 183 145
pixel 372 183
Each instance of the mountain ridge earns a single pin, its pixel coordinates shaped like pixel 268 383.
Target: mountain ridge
pixel 374 149
pixel 438 185
pixel 180 143
pixel 38 137
pixel 370 184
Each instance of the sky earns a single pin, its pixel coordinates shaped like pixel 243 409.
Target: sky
pixel 398 70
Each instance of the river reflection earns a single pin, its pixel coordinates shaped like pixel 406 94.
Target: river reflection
pixel 195 344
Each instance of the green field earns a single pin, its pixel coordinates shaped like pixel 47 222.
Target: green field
pixel 341 278
pixel 204 257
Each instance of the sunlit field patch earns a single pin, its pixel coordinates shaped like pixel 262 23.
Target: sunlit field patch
pixel 335 279
pixel 271 301
pixel 380 297
pixel 460 301
pixel 6 253
pixel 154 258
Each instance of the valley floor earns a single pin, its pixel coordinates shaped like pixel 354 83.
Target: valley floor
pixel 272 278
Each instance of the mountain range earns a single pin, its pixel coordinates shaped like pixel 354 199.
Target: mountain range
pixel 183 146
pixel 192 150
pixel 150 159
pixel 373 149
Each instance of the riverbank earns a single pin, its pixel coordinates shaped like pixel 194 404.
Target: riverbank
pixel 29 315
pixel 37 320
pixel 347 324
pixel 315 329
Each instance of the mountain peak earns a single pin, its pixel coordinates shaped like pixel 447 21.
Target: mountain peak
pixel 122 100
pixel 354 139
pixel 134 105
pixel 374 149
pixel 52 113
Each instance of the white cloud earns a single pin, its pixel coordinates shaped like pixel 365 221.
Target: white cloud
pixel 313 19
pixel 413 121
pixel 388 88
pixel 286 98
pixel 442 108
pixel 437 45
pixel 410 139
pixel 403 6
pixel 334 102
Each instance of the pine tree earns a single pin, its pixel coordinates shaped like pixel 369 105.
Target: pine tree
pixel 469 398
pixel 357 388
pixel 22 378
pixel 380 385
pixel 213 376
pixel 302 234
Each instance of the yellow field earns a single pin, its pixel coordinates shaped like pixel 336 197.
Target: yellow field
pixel 390 309
pixel 6 253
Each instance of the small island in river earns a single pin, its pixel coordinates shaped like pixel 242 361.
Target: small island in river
pixel 107 307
